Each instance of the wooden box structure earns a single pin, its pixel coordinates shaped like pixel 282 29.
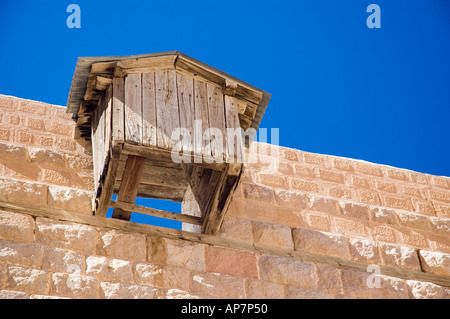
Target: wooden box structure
pixel 164 126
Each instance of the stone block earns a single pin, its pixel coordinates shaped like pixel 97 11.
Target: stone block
pixel 68 235
pixel 329 279
pixel 27 280
pixel 258 192
pixel 62 260
pixel 46 157
pixel 303 185
pixel 440 225
pixel 75 286
pixel 258 289
pixel 318 221
pixel 10 294
pixel 427 290
pixel 400 256
pixel 287 271
pixel 355 210
pixel 217 285
pixel 174 252
pixel 16 227
pixel 383 215
pixel 331 176
pixel 435 262
pixel 23 254
pixel 412 220
pixel 365 250
pixel 322 243
pixel 70 200
pixel 357 284
pixel 362 182
pixel 323 204
pixel 301 293
pixel 236 228
pixel 169 277
pixel 232 262
pixel 122 245
pixel 343 165
pixel 272 235
pixel 109 268
pixel 291 199
pixel 119 290
pixel 25 193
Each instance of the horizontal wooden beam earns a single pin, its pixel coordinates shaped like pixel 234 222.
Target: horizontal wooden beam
pixel 158 154
pixel 156 212
pixel 157 192
pixel 148 64
pixel 159 175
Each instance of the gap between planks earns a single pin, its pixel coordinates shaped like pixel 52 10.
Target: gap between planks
pixel 156 212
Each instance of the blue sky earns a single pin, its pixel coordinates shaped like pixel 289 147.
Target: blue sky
pixel 338 87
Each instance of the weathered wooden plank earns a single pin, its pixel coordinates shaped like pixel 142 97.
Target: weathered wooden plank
pixel 233 137
pixel 229 87
pixel 167 115
pixel 161 192
pixel 95 147
pixel 159 175
pixel 249 94
pixel 130 182
pixel 242 106
pixel 204 184
pixel 159 62
pixel 108 122
pixel 245 121
pixel 163 157
pixel 118 114
pixel 185 89
pixel 216 121
pixel 198 70
pixel 156 212
pixel 91 93
pixel 103 68
pixel 250 110
pixel 133 109
pixel 102 203
pixel 158 156
pixel 202 138
pixel 211 210
pixel 101 137
pixel 148 109
pixel 102 83
pixel 227 184
pixel 198 178
pixel 242 90
pixel 190 207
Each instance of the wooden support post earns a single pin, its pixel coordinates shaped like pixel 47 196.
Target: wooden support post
pixel 223 194
pixel 129 186
pixel 107 189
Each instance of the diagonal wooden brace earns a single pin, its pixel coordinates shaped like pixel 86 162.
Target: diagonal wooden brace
pixel 129 186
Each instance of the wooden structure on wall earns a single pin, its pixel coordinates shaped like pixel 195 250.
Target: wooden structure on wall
pixel 164 126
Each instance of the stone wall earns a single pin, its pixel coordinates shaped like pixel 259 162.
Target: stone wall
pixel 308 228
